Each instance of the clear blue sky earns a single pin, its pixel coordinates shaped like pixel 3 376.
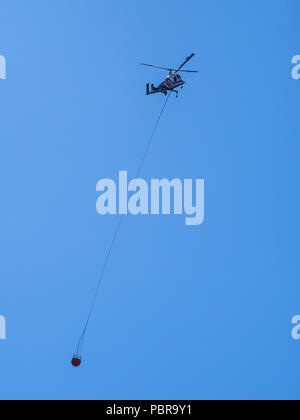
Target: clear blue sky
pixel 185 313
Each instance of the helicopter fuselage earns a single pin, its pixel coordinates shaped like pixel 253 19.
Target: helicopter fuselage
pixel 172 82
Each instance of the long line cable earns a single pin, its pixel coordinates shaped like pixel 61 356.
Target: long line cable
pixel 115 236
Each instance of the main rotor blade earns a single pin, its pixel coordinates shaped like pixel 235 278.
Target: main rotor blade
pixel 186 61
pixel 156 67
pixel 187 71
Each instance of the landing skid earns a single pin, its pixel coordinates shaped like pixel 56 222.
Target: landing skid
pixel 175 91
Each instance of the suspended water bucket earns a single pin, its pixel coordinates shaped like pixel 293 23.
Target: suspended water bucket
pixel 76 361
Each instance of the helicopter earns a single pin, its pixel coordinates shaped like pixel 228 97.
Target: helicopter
pixel 172 82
